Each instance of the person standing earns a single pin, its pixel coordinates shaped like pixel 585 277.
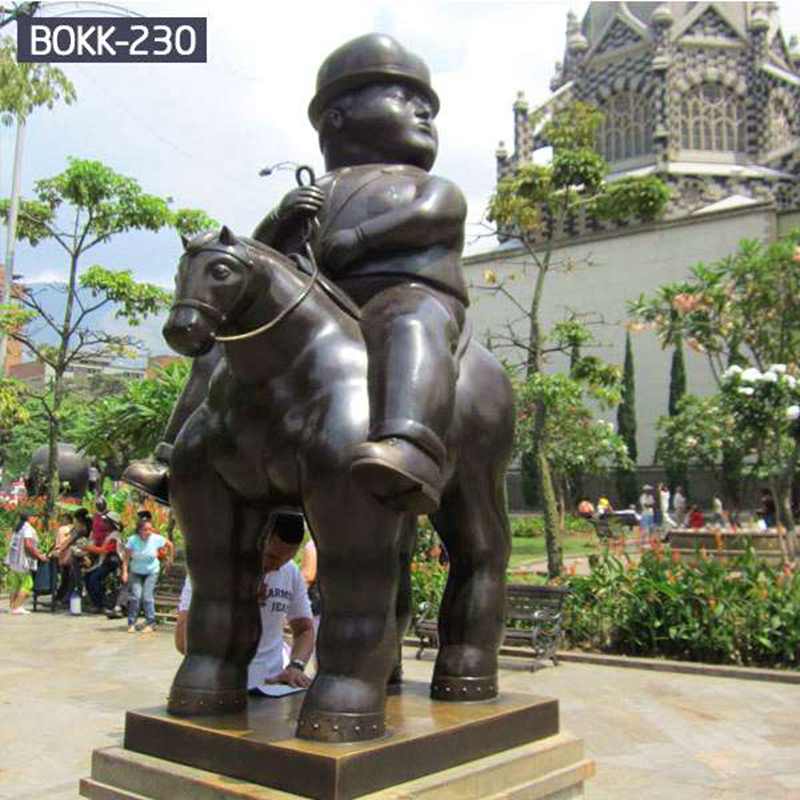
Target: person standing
pixel 768 509
pixel 679 504
pixel 22 559
pixel 140 569
pixel 663 500
pixel 718 513
pixel 647 520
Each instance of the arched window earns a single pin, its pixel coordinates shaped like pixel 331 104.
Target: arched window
pixel 780 126
pixel 712 118
pixel 625 131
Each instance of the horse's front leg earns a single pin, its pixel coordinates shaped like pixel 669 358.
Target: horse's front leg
pixel 358 565
pixel 223 554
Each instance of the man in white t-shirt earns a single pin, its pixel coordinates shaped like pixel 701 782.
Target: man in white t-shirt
pixel 283 598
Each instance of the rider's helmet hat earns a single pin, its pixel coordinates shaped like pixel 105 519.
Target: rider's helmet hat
pixel 368 59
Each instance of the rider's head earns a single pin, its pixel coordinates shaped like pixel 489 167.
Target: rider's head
pixel 374 104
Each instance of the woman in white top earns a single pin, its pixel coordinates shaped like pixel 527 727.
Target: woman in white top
pixel 22 559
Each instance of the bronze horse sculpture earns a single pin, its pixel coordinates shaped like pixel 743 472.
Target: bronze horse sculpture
pixel 285 407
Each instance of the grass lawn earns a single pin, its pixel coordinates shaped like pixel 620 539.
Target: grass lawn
pixel 525 550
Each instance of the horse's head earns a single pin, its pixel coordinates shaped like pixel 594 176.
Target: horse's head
pixel 213 285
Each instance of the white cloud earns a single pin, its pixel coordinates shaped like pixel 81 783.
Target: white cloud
pixel 200 133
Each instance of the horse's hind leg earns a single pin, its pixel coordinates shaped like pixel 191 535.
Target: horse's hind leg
pixel 223 553
pixel 473 524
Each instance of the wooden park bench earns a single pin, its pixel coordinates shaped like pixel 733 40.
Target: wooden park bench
pixel 532 621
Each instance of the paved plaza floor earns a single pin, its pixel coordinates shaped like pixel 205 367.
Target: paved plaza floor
pixel 65 683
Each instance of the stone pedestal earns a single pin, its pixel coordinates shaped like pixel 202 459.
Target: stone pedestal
pixel 505 748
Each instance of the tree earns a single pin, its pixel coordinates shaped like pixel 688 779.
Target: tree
pixel 532 206
pixel 699 434
pixel 627 484
pixel 677 474
pixel 24 87
pixel 573 441
pixel 122 427
pixel 743 310
pixel 86 205
pixel 765 407
pixel 31 431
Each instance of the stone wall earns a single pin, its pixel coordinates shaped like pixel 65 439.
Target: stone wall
pixel 624 265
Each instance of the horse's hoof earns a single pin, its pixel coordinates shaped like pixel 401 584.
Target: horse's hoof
pixel 328 726
pixel 186 702
pixel 461 690
pixel 400 474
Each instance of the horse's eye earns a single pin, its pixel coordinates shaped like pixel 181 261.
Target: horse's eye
pixel 220 272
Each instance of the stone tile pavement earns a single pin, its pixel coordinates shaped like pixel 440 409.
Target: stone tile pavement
pixel 65 683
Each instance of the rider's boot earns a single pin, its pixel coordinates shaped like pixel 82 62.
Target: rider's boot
pixel 151 476
pixel 400 474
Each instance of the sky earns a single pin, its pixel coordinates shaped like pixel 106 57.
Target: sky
pixel 200 133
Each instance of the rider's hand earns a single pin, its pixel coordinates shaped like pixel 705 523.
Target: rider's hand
pixel 341 248
pixel 301 203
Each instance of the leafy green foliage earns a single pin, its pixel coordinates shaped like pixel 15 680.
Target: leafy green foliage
pixel 537 194
pixel 532 206
pixel 630 198
pixel 12 408
pixel 18 442
pixel 745 613
pixel 531 526
pixel 677 472
pixel 100 203
pixel 25 86
pixel 743 309
pixel 134 300
pixel 698 434
pixel 120 428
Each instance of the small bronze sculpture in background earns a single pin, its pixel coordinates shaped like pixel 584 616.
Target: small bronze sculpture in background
pixel 362 418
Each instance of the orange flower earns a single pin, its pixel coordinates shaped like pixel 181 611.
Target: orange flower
pixel 796 256
pixel 684 303
pixel 718 538
pixel 676 557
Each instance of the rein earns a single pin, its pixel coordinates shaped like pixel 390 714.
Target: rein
pixel 221 318
pixel 276 320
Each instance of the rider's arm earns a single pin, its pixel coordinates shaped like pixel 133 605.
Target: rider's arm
pixel 436 216
pixel 267 230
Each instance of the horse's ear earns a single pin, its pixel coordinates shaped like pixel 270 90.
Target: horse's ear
pixel 226 236
pixel 185 242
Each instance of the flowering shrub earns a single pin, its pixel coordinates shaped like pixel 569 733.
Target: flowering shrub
pixel 744 613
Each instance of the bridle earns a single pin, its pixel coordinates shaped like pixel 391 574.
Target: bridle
pixel 220 318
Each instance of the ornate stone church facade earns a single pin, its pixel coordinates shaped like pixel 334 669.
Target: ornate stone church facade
pixel 707 96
